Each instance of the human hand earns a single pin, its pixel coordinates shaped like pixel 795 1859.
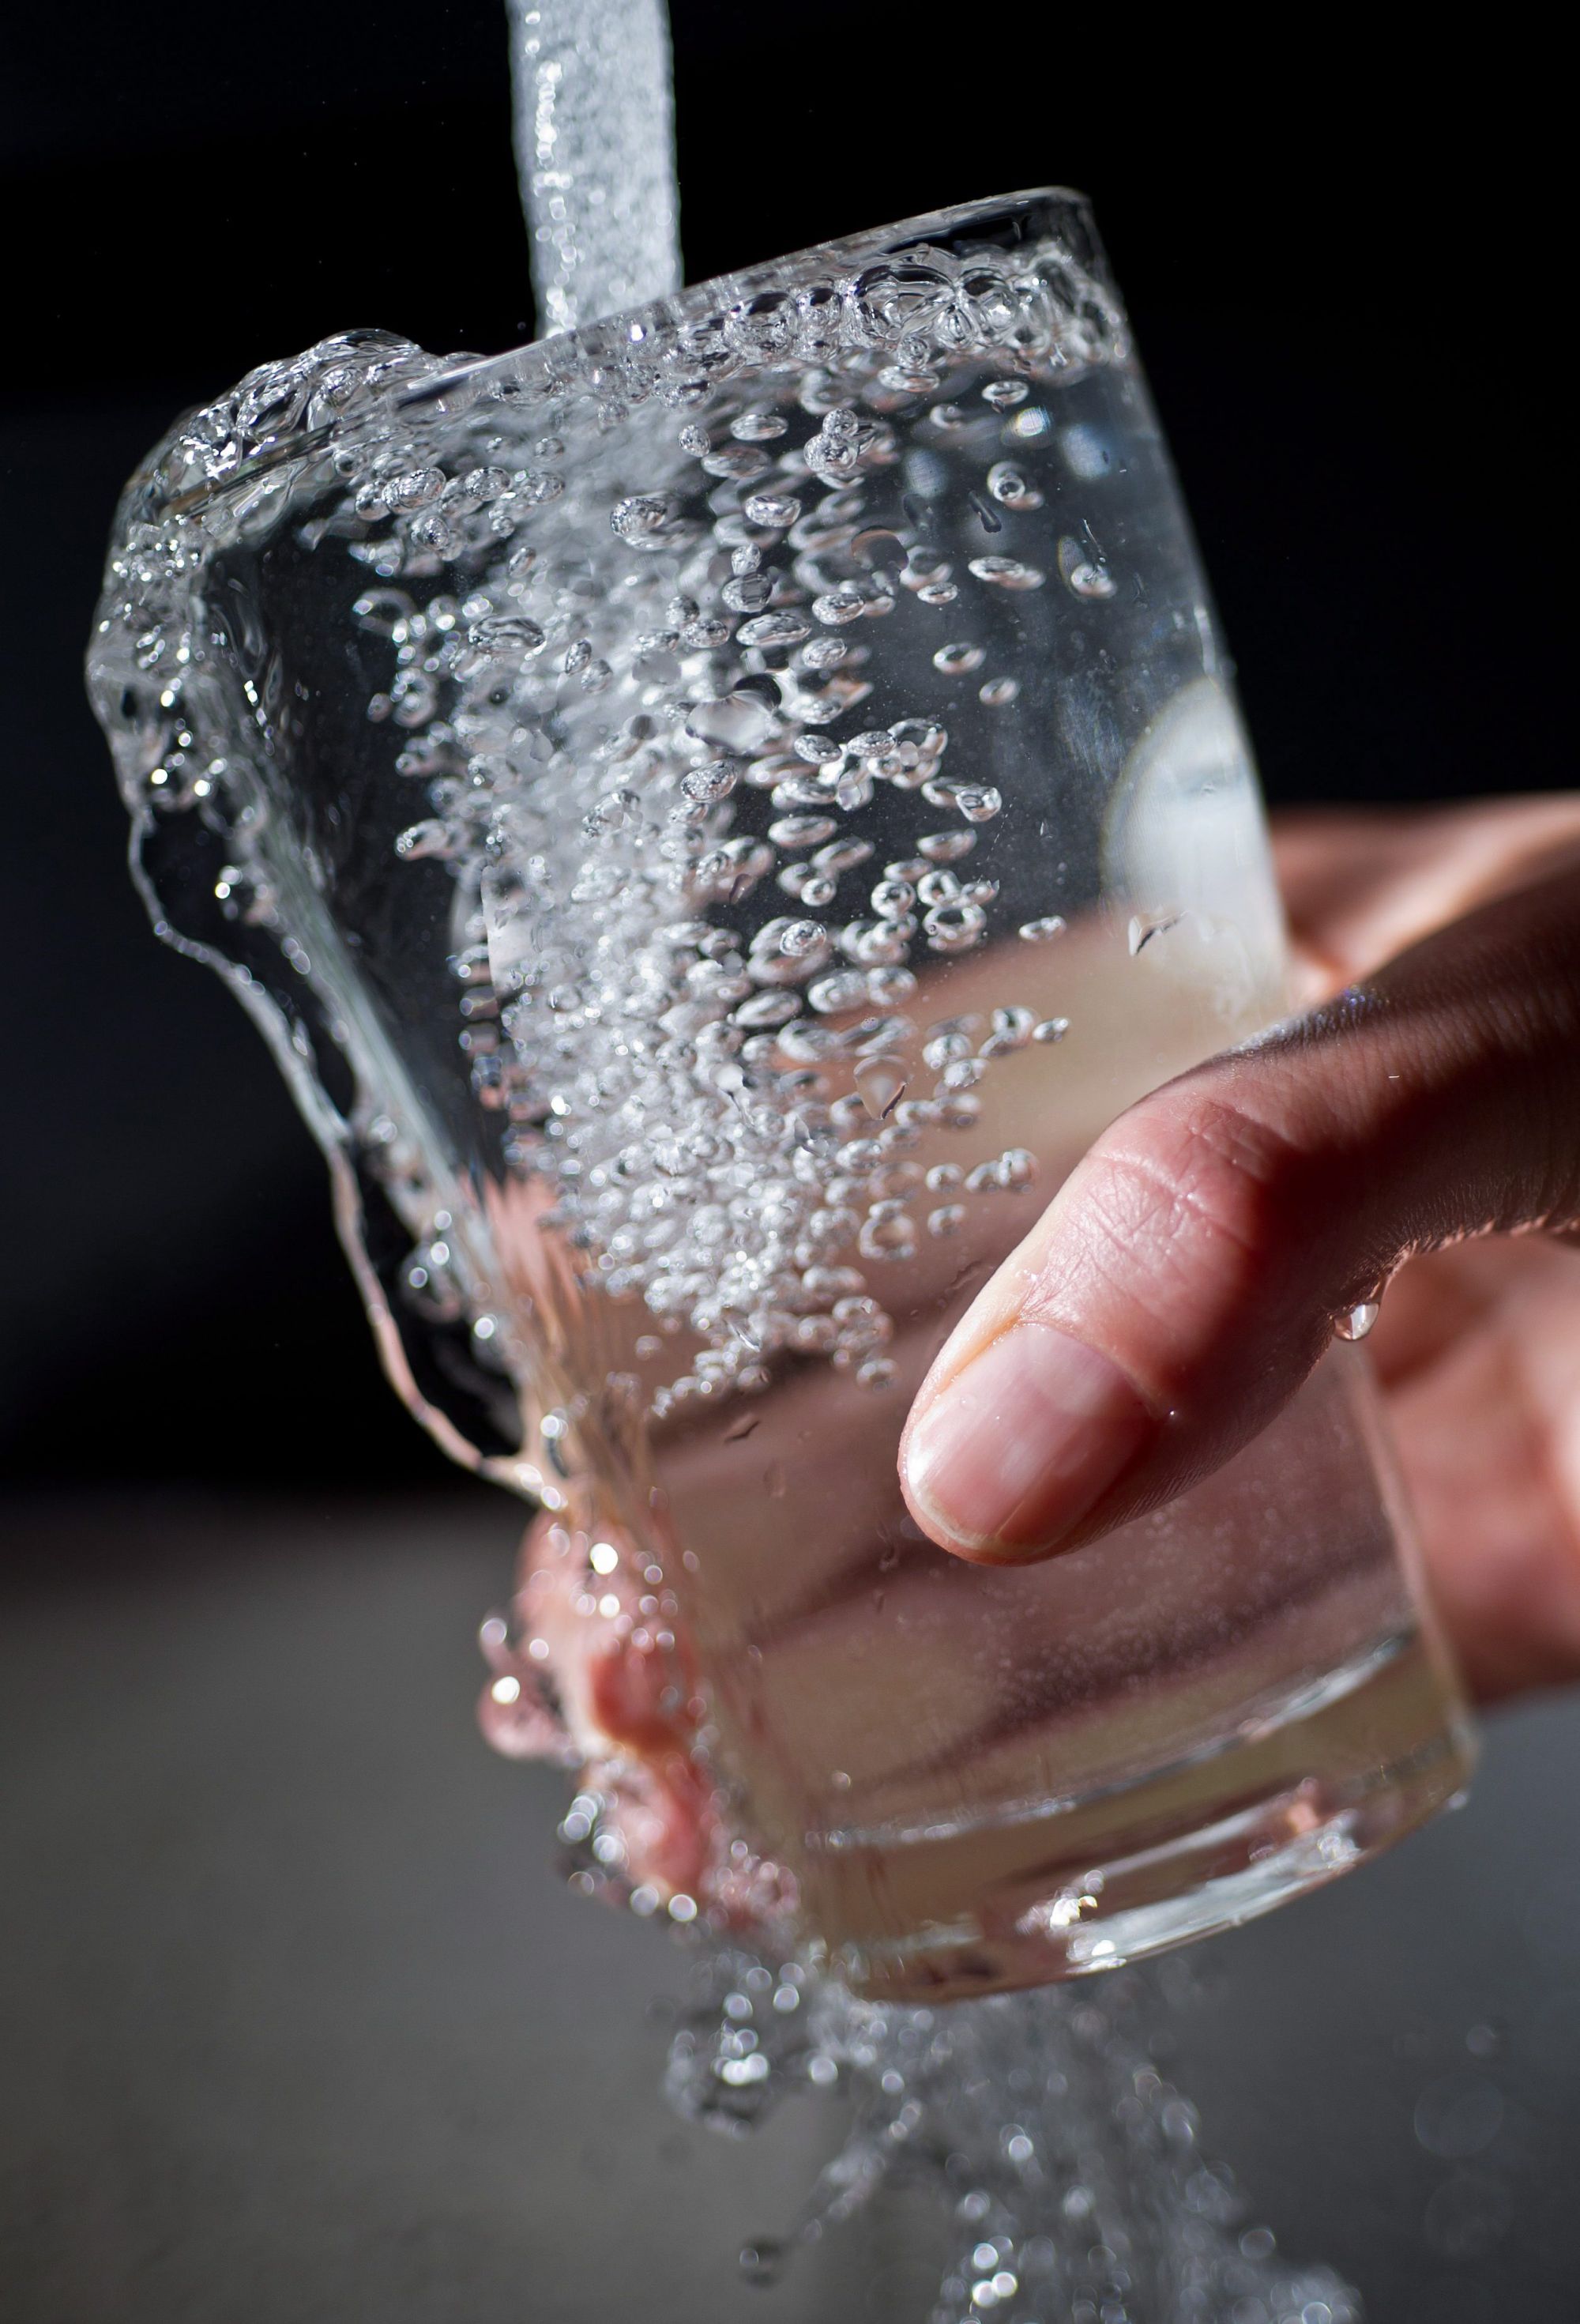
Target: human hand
pixel 1424 1117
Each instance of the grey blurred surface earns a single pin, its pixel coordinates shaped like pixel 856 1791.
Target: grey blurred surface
pixel 299 2024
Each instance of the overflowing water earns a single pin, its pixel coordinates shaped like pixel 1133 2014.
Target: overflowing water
pixel 744 748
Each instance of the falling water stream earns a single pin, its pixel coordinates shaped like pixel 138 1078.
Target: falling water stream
pixel 1071 2167
pixel 596 150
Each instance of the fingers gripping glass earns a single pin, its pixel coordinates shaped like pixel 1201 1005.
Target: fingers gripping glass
pixel 716 812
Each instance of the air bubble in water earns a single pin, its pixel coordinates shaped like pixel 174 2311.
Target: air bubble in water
pixel 838 607
pixel 505 635
pixel 1011 488
pixel 748 593
pixel 1003 394
pixel 1082 568
pixel 957 660
pixel 1039 931
pixel 946 846
pixel 880 1083
pixel 1144 926
pixel 421 839
pixel 763 2262
pixel 736 721
pixel 1052 1028
pixel 774 511
pixel 1007 573
pixel 801 830
pixel 709 783
pixel 640 520
pixel 775 629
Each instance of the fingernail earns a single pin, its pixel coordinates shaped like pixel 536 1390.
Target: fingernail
pixel 1013 1454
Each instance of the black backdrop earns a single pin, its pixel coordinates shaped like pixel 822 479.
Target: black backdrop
pixel 1331 259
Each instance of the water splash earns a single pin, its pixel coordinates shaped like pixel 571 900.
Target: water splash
pixel 1071 2168
pixel 594 131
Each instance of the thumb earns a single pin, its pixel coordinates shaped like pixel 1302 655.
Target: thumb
pixel 1191 1270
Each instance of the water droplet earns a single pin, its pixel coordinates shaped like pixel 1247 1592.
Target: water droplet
pixel 1357 1322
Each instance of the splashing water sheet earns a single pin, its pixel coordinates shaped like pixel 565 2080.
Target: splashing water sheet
pixel 676 979
pixel 1071 2170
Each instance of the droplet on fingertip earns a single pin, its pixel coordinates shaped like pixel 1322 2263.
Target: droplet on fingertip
pixel 1356 1321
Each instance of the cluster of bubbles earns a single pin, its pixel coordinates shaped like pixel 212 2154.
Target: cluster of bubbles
pixel 628 705
pixel 1073 2169
pixel 704 886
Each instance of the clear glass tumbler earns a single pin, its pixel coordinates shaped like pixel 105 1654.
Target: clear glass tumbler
pixel 715 812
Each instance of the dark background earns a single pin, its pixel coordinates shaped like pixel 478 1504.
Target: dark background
pixel 303 2029
pixel 1329 258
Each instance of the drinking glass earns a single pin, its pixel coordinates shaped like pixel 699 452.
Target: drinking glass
pixel 715 812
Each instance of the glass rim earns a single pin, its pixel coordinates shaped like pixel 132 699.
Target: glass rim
pixel 994 220
pixel 287 411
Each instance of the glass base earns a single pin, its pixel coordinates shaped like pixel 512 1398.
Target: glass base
pixel 1200 1847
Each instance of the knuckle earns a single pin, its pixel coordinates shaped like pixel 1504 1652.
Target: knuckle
pixel 1188 1210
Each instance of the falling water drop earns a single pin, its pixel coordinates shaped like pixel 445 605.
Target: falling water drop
pixel 1357 1320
